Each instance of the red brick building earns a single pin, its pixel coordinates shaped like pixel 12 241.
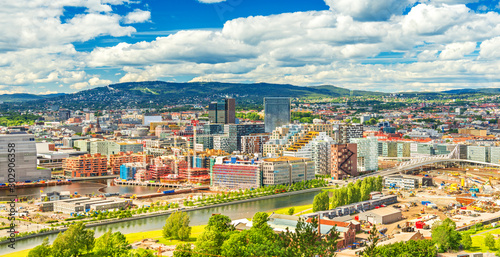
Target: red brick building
pixel 116 160
pixel 344 160
pixel 86 166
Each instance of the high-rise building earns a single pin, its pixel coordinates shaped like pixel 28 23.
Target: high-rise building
pixel 367 153
pixel 236 131
pixel 277 112
pixel 24 162
pixel 222 111
pixel 348 131
pixel 344 160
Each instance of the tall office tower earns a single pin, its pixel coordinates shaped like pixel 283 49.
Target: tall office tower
pixel 24 162
pixel 222 111
pixel 234 133
pixel 64 115
pixel 277 112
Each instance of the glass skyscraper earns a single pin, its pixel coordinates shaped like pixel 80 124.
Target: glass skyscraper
pixel 277 112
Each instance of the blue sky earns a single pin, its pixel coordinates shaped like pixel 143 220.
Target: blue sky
pixel 384 45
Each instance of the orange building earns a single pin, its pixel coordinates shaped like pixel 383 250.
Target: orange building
pixel 86 166
pixel 116 160
pixel 344 160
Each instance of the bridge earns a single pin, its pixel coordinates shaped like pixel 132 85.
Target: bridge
pixel 417 163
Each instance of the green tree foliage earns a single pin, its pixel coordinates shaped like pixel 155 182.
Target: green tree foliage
pixel 497 244
pixel 177 226
pixel 321 202
pixel 445 235
pixel 183 250
pixel 251 116
pixel 73 242
pixel 111 244
pixel 371 249
pixel 489 241
pixel 467 241
pixel 307 241
pixel 304 117
pixel 218 230
pixel 17 119
pixel 141 252
pixel 41 250
pixel 360 191
pixel 421 248
pixel 291 211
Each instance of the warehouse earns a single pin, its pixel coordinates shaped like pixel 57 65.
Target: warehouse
pixel 385 215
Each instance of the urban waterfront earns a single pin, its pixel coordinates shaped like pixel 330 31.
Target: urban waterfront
pixel 82 188
pixel 198 217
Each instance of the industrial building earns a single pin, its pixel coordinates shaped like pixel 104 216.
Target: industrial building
pixel 276 112
pixel 25 159
pixel 386 215
pixel 403 182
pixel 86 204
pixel 355 207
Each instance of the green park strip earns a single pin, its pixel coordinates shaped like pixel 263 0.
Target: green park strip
pixel 157 234
pixel 298 210
pixel 478 244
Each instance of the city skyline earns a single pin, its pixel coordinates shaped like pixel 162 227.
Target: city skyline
pixel 388 46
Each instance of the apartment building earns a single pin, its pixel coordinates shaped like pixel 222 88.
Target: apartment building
pixel 344 160
pixel 116 160
pixel 348 131
pixel 254 143
pixel 86 166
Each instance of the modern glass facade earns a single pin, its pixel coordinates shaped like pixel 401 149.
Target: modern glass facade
pixel 277 112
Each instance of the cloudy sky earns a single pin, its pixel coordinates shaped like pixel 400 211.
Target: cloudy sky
pixel 384 45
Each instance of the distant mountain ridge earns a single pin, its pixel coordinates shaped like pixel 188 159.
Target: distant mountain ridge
pixel 147 93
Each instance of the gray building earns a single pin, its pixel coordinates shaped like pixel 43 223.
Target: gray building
pixel 24 162
pixel 277 112
pixel 385 215
pixel 234 133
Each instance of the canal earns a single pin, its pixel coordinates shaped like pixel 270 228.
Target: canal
pixel 198 217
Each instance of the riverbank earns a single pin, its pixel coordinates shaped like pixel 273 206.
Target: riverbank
pixel 167 212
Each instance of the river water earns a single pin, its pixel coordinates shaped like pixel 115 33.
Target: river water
pixel 198 217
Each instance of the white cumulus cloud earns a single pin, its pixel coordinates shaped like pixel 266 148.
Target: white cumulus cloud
pixel 457 50
pixel 137 16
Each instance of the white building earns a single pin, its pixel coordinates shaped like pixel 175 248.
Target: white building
pixel 367 153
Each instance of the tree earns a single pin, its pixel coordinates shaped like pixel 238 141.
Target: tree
pixel 183 250
pixel 321 202
pixel 307 241
pixel 421 248
pixel 218 230
pixel 371 249
pixel 489 241
pixel 73 242
pixel 41 250
pixel 497 244
pixel 111 244
pixel 467 241
pixel 177 226
pixel 445 235
pixel 291 211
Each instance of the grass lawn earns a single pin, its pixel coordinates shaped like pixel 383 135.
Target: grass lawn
pixel 157 234
pixel 478 242
pixel 297 209
pixel 22 253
